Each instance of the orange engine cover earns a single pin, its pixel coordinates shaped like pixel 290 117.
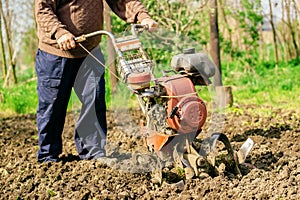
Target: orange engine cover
pixel 186 112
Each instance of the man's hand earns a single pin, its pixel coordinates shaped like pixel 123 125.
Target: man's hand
pixel 66 42
pixel 150 23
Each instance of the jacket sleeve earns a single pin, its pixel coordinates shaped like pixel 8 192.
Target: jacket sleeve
pixel 47 21
pixel 131 11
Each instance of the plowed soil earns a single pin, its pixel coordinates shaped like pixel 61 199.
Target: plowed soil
pixel 275 157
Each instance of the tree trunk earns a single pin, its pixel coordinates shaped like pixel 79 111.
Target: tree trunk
pixel 293 32
pixel 4 64
pixel 261 38
pixel 11 57
pixel 224 96
pixel 110 49
pixel 274 35
pixel 214 42
pixel 227 26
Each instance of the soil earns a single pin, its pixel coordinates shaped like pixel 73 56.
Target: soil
pixel 275 158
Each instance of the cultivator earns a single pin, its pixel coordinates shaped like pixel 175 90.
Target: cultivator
pixel 174 112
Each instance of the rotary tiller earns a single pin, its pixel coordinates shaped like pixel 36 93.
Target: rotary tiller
pixel 174 112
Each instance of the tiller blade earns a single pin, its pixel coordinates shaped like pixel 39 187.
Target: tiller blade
pixel 208 156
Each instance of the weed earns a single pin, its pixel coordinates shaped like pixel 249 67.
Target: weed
pixel 51 193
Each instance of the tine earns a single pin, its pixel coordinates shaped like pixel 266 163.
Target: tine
pixel 244 150
pixel 209 144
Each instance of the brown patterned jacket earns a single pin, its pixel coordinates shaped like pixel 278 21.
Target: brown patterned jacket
pixel 57 17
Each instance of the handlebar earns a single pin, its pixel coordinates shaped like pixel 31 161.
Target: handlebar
pixel 134 29
pixel 85 36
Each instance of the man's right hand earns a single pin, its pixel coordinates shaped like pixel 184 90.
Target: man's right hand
pixel 150 23
pixel 66 42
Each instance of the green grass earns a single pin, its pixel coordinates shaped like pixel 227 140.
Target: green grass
pixel 266 86
pixel 263 85
pixel 18 99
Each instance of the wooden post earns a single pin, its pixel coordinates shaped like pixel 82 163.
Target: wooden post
pixel 224 96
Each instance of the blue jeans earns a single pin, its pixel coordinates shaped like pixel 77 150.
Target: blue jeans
pixel 56 78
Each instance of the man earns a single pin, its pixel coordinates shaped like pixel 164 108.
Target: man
pixel 61 65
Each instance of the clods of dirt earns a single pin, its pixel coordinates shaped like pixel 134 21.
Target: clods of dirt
pixel 276 157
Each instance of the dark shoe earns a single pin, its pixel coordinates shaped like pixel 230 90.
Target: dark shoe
pixel 48 159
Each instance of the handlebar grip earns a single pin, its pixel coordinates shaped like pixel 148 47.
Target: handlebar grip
pixel 80 38
pixel 134 28
pixel 139 26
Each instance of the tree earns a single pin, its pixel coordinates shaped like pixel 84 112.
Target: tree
pixel 16 17
pixel 6 41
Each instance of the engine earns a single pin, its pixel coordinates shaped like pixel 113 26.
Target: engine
pixel 185 111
